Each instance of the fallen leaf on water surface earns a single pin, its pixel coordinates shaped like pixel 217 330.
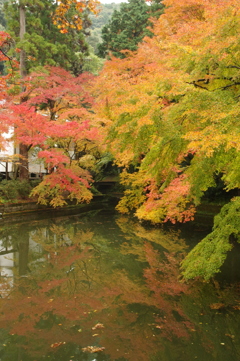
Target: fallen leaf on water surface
pixel 217 306
pixel 57 344
pixel 92 349
pixel 236 307
pixel 231 336
pixel 97 326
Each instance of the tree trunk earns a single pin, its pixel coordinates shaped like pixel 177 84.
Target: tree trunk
pixel 23 166
pixel 23 149
pixel 22 20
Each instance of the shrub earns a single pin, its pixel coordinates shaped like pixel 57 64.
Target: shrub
pixel 11 190
pixel 8 190
pixel 24 188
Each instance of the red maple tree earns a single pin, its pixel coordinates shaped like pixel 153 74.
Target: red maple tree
pixel 55 120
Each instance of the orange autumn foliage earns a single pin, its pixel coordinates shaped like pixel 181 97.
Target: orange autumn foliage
pixel 65 18
pixel 172 107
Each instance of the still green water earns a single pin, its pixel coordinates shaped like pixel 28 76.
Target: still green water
pixel 100 286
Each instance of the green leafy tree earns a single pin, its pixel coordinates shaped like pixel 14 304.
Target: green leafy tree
pixel 92 64
pixel 207 257
pixel 44 42
pixel 128 27
pixel 2 17
pixel 105 14
pixel 98 22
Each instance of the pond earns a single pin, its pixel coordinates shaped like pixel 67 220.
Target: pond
pixel 99 286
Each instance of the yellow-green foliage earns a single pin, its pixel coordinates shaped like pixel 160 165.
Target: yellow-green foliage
pixel 172 113
pixel 208 256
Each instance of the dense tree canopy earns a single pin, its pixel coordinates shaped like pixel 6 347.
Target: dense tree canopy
pixel 54 35
pixel 127 27
pixel 2 18
pixel 172 111
pixel 5 44
pixel 98 22
pixel 55 123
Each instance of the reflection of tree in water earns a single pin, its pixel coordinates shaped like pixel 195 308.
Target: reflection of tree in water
pixel 81 279
pixel 168 240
